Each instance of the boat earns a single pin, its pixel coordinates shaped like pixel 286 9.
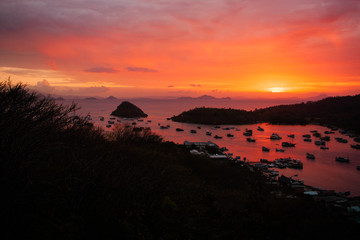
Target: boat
pixel 317 134
pixel 260 129
pixel 287 144
pixel 208 133
pixel 226 128
pixel 307 140
pixel 111 122
pixel 275 136
pixel 179 129
pixel 229 135
pixel 263 160
pixel 108 126
pixel 163 127
pixel 101 118
pixel 250 139
pixel 325 138
pixel 248 132
pixel 112 118
pixel 217 137
pixel 324 148
pixel 341 140
pixel 306 136
pixel 265 149
pixel 357 139
pixel 356 146
pixel 193 131
pixel 280 150
pixel 318 143
pixel 118 120
pixel 140 120
pixel 310 156
pixel 291 136
pixel 342 159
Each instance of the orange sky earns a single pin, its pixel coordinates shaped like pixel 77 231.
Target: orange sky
pixel 133 48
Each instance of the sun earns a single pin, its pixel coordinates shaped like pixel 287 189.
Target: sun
pixel 277 89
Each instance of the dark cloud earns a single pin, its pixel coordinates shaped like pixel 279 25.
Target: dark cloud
pixel 100 70
pixel 140 69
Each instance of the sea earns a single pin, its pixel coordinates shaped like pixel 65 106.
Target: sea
pixel 323 172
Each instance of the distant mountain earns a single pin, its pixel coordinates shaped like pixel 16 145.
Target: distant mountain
pixel 128 110
pixel 204 97
pixel 90 98
pixel 111 98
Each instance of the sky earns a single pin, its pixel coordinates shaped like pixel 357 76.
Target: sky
pixel 155 48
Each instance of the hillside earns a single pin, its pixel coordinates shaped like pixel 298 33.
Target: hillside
pixel 342 112
pixel 62 178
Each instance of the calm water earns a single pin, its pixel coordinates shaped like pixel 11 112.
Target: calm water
pixel 322 172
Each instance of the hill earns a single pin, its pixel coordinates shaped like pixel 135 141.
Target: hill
pixel 342 112
pixel 62 178
pixel 128 110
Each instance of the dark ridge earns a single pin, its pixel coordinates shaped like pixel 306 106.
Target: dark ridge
pixel 342 112
pixel 91 98
pixel 128 110
pixel 62 178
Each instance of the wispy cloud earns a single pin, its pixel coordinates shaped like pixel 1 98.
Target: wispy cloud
pixel 140 69
pixel 100 70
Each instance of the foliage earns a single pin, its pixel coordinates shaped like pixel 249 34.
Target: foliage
pixel 63 178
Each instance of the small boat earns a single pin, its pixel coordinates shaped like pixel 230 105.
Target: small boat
pixel 307 140
pixel 248 132
pixel 260 129
pixel 163 127
pixel 140 120
pixel 193 131
pixel 101 118
pixel 217 137
pixel 229 135
pixel 318 143
pixel 342 159
pixel 310 156
pixel 108 126
pixel 149 121
pixel 263 160
pixel 287 144
pixel 325 138
pixel 280 150
pixel 112 118
pixel 306 136
pixel 265 149
pixel 198 127
pixel 341 140
pixel 356 146
pixel 179 129
pixel 111 122
pixel 208 133
pixel 291 136
pixel 226 128
pixel 324 148
pixel 317 134
pixel 133 123
pixel 250 139
pixel 275 136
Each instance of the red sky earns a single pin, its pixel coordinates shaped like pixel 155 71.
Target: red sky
pixel 132 48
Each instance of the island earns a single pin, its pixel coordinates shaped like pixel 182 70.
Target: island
pixel 128 110
pixel 341 112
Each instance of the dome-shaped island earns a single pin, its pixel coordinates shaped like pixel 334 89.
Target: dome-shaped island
pixel 128 110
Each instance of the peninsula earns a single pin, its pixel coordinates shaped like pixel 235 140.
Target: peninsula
pixel 342 112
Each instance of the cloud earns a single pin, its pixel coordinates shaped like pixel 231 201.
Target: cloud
pixel 100 70
pixel 140 69
pixel 195 85
pixel 171 86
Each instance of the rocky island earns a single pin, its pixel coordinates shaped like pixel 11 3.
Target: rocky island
pixel 128 110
